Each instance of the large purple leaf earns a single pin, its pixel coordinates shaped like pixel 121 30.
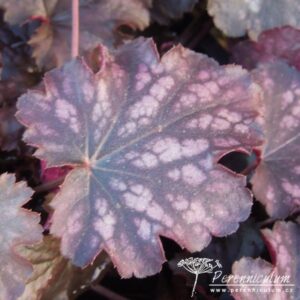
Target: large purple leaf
pixel 279 43
pixel 276 180
pixel 238 17
pixel 144 137
pixel 283 243
pixel 17 227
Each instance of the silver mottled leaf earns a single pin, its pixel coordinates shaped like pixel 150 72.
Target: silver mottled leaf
pixel 143 136
pixel 276 182
pixel 238 17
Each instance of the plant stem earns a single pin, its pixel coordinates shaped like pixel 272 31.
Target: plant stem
pixel 75 28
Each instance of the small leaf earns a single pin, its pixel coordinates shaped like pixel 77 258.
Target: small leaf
pixel 9 92
pixel 276 179
pixel 17 227
pixel 17 12
pixel 279 43
pixel 143 136
pixel 99 22
pixel 10 129
pixel 283 243
pixel 238 17
pixel 17 69
pixel 54 277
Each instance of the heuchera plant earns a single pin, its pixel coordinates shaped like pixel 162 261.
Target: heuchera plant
pixel 144 161
pixel 125 144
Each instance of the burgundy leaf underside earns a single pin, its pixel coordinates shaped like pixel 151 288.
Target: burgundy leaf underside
pixel 279 43
pixel 143 136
